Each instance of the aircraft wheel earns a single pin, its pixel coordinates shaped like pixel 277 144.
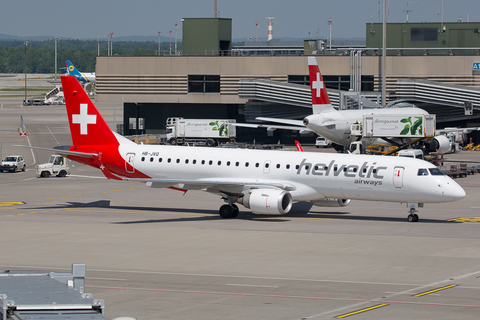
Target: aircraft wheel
pixel 412 217
pixel 227 212
pixel 236 211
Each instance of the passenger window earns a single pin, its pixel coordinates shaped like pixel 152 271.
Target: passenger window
pixel 297 166
pixel 257 164
pixel 203 161
pixel 288 166
pixel 178 160
pixel 143 158
pixel 278 166
pixel 194 161
pixel 237 163
pixel 169 160
pixel 422 172
pixel 210 162
pixel 219 162
pixel 246 164
pixel 186 160
pixel 267 165
pixel 151 159
pixel 159 159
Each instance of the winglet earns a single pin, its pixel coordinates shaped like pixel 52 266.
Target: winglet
pixel 320 99
pixel 299 146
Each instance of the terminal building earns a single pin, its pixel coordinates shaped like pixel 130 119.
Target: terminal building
pixel 436 66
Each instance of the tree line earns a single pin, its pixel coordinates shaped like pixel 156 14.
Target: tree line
pixel 82 53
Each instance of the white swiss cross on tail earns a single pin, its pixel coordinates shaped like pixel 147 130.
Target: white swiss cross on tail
pixel 84 119
pixel 318 85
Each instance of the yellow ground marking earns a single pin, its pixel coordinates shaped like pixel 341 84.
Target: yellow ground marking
pixel 435 290
pixel 466 220
pixel 118 190
pixel 9 215
pixel 21 214
pixel 73 195
pixel 362 310
pixel 12 203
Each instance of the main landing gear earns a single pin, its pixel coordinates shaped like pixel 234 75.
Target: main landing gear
pixel 412 217
pixel 229 211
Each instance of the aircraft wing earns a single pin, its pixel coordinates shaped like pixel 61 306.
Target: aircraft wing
pixel 214 183
pixel 298 123
pixel 463 130
pixel 270 127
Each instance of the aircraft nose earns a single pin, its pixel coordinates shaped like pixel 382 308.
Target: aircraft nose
pixel 454 191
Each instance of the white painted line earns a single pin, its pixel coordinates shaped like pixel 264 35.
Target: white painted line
pixel 249 285
pixel 113 279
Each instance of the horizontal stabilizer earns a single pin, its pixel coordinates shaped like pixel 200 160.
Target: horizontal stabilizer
pixel 62 152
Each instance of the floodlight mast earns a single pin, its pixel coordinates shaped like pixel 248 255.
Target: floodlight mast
pixel 330 23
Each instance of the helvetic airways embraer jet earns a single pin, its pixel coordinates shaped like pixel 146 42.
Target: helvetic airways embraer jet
pixel 267 182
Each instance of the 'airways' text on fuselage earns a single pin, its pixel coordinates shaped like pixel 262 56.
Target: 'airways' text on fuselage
pixel 333 169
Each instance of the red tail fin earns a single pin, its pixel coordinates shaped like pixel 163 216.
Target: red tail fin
pixel 320 100
pixel 87 126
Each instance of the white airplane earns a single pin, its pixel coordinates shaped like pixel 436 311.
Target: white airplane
pixel 267 182
pixel 335 124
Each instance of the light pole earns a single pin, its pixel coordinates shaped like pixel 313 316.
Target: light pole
pixel 176 26
pixel 170 42
pixel 25 101
pixel 98 46
pixel 56 59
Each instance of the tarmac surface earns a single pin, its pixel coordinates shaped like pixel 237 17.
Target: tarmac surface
pixel 159 254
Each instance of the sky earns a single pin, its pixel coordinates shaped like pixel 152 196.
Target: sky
pixel 89 19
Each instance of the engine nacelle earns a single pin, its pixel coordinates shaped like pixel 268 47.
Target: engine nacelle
pixel 439 143
pixel 268 201
pixel 329 202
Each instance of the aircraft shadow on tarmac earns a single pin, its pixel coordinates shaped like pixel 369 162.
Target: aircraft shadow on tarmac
pixel 300 210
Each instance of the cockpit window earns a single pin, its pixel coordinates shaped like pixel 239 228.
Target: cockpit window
pixel 422 172
pixel 435 172
pixel 400 104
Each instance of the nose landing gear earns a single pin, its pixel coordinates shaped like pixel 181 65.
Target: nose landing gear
pixel 412 217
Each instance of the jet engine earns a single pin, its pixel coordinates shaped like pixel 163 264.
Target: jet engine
pixel 267 201
pixel 328 202
pixel 438 143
